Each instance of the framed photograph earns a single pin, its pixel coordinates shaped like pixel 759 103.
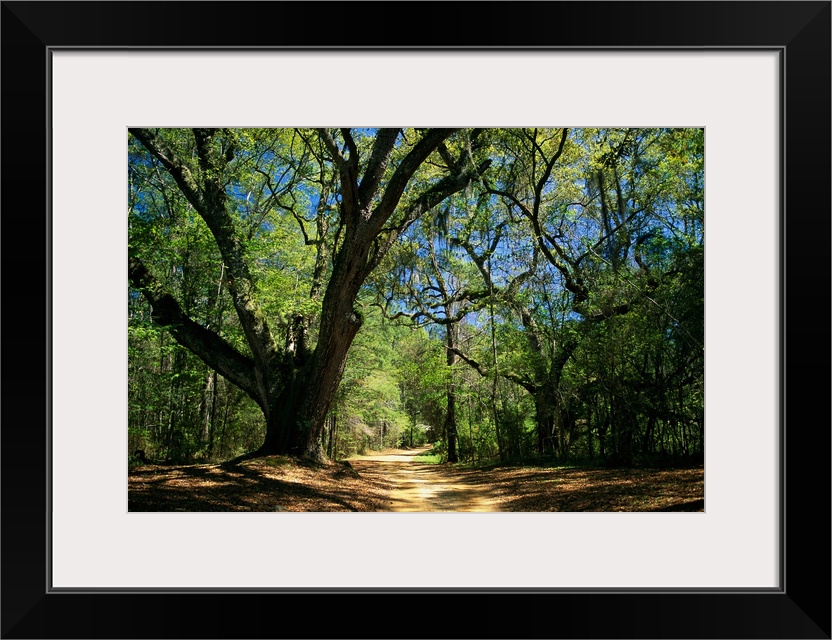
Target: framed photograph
pixel 754 76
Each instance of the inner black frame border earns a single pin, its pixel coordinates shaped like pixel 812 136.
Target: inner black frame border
pixel 800 31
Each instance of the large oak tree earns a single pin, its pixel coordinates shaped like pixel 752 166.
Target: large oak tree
pixel 352 193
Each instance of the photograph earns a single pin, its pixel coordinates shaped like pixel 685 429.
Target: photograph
pixel 421 320
pixel 416 319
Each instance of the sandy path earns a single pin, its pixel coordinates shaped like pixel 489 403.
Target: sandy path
pixel 415 486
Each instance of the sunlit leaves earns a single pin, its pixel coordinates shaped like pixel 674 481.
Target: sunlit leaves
pixel 588 237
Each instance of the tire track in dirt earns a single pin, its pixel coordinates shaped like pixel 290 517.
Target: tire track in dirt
pixel 419 487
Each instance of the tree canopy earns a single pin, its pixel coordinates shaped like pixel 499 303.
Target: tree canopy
pixel 501 292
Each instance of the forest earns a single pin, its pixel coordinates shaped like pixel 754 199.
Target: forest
pixel 500 294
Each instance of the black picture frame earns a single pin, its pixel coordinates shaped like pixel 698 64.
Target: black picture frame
pixel 800 31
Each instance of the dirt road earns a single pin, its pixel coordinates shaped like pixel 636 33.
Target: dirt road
pixel 416 486
pixel 396 481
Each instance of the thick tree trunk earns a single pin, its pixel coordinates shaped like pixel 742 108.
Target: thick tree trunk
pixel 340 323
pixel 281 412
pixel 296 410
pixel 296 414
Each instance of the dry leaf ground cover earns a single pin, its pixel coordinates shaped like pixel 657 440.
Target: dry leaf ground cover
pixel 273 483
pixel 397 481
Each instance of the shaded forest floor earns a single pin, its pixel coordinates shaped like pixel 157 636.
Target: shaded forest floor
pixel 396 481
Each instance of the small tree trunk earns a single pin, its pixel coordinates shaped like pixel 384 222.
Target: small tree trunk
pixel 450 416
pixel 332 427
pixel 471 434
pixel 213 419
pixel 450 428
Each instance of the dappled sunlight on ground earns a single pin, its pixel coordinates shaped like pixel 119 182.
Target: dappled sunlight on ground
pixel 420 487
pixel 398 480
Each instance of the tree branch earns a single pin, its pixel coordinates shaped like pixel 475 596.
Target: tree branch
pixel 177 169
pixel 202 342
pixel 403 173
pixel 348 170
pixel 424 202
pixel 486 373
pixel 210 203
pixel 550 165
pixel 379 159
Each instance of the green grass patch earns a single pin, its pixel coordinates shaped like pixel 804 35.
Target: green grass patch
pixel 428 459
